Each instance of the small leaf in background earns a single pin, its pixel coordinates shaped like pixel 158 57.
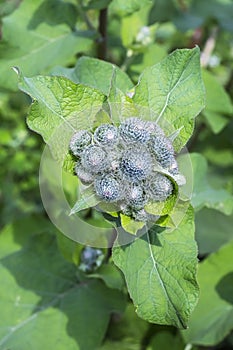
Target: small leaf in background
pixel 111 276
pixel 40 294
pixel 218 150
pixel 69 249
pixel 163 340
pixel 213 229
pixel 203 193
pixel 218 103
pixel 35 34
pixel 162 11
pixel 151 55
pixel 174 91
pixel 212 319
pixel 125 8
pixel 133 21
pixel 128 328
pixel 130 225
pixel 96 74
pixel 160 272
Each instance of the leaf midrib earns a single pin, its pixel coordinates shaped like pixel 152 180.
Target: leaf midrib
pixel 161 282
pixel 174 87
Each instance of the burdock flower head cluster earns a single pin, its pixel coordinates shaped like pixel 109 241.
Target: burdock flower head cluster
pixel 129 165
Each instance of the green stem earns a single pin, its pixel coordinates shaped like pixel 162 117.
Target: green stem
pixel 84 15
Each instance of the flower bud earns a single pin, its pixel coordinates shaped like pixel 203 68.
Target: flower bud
pixel 133 130
pixel 136 164
pixel 135 197
pixel 106 135
pixel 108 188
pixel 94 159
pixel 84 176
pixel 162 149
pixel 79 141
pixel 160 188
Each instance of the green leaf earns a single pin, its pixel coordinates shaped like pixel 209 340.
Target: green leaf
pixel 130 225
pixel 163 208
pixel 34 35
pixel 86 200
pixel 129 328
pixel 111 276
pixel 69 249
pixel 41 296
pixel 160 272
pixel 218 103
pixel 153 54
pixel 174 91
pixel 69 163
pixel 164 339
pixel 96 74
pixel 125 8
pixel 135 22
pixel 215 120
pixel 213 229
pixel 59 101
pixel 203 193
pixel 121 105
pixel 162 11
pixel 212 319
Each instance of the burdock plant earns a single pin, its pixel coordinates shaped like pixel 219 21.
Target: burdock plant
pixel 123 143
pixel 129 165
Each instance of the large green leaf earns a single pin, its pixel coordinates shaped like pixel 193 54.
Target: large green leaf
pixel 174 91
pixel 160 271
pixel 203 193
pixel 43 304
pixel 218 103
pixel 59 101
pixel 213 229
pixel 212 319
pixel 37 36
pixel 96 74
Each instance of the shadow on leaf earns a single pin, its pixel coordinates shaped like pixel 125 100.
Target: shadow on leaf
pixel 225 288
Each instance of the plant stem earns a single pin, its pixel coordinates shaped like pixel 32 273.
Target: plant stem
pixel 102 42
pixel 84 15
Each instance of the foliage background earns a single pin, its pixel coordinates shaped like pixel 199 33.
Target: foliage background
pixel 46 300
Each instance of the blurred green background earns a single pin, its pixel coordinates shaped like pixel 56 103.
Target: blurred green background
pixel 46 37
